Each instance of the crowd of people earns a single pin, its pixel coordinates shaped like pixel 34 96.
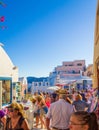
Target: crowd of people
pixel 59 110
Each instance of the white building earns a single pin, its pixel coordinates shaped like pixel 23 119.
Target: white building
pixel 8 74
pixel 7 68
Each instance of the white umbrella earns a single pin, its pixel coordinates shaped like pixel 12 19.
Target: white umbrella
pixel 53 88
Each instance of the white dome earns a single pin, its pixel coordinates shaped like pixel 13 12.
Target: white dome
pixel 7 68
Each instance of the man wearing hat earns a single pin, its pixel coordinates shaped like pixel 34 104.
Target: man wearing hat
pixel 59 113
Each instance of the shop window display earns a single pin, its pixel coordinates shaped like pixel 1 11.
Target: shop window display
pixel 18 91
pixel 6 92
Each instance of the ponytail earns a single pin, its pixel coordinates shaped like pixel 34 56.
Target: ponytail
pixel 93 122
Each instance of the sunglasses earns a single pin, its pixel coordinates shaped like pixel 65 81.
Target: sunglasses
pixel 10 110
pixel 72 123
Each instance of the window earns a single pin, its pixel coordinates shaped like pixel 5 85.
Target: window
pixel 79 64
pixel 73 71
pixel 70 65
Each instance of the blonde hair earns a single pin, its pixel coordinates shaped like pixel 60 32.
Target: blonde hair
pixel 78 97
pixel 38 98
pixel 33 99
pixel 68 100
pixel 18 107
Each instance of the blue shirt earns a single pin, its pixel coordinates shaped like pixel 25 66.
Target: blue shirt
pixel 80 105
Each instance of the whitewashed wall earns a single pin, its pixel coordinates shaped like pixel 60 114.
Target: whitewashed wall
pixel 7 68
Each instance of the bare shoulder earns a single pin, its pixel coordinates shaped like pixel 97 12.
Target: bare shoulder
pixel 25 125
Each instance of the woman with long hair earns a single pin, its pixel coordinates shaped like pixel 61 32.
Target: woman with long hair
pixel 15 118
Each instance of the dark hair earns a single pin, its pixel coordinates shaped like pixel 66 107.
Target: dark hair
pixel 54 95
pixel 87 118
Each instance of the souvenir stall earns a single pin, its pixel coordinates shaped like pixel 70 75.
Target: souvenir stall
pixel 17 88
pixel 5 91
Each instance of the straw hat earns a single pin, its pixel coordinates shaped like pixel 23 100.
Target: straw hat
pixel 62 91
pixel 15 106
pixel 18 107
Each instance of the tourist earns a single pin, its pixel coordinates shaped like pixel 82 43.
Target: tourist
pixel 79 104
pixel 43 111
pixel 36 110
pixel 59 113
pixel 82 120
pixel 48 101
pixel 16 118
pixel 54 97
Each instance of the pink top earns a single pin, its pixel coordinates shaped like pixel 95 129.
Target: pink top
pixel 48 104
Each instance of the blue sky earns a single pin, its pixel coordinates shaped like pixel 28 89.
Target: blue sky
pixel 41 34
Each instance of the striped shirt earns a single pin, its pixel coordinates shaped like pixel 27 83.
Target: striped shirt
pixel 59 114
